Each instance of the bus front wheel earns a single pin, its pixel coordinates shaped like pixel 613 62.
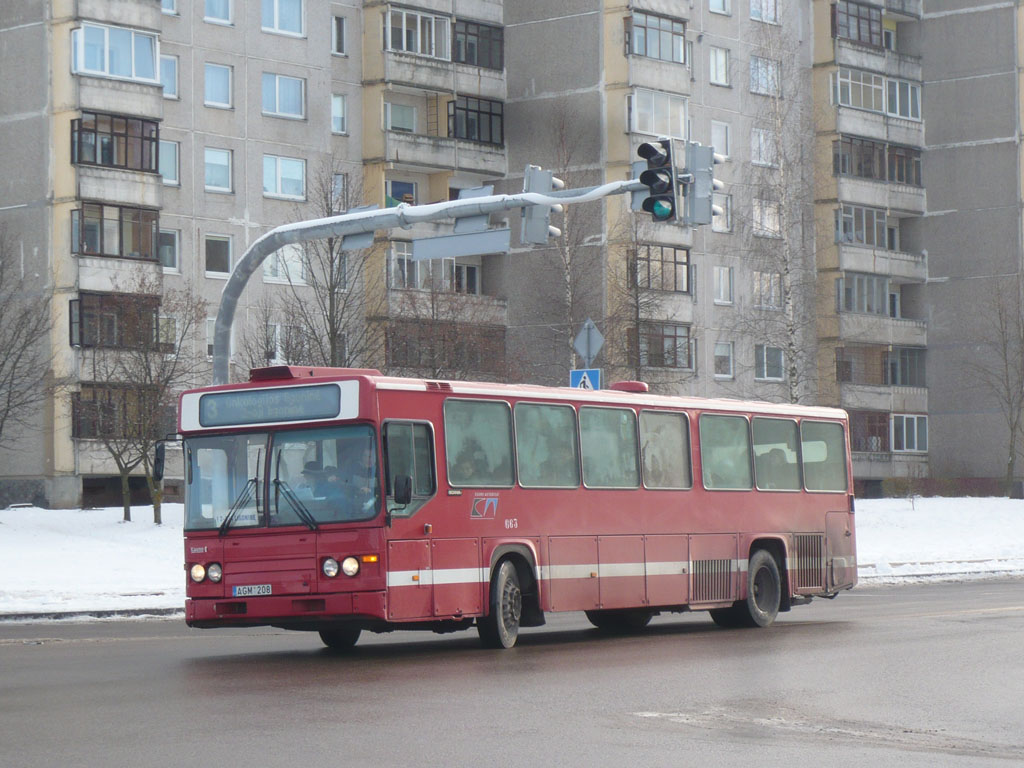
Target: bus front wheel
pixel 500 628
pixel 340 639
pixel 764 595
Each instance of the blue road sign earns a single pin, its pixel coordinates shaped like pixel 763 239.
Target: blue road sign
pixel 585 378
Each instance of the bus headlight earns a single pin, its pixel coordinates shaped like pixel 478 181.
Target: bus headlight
pixel 214 573
pixel 197 572
pixel 331 567
pixel 350 566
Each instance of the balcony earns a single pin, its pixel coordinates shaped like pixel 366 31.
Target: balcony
pixel 447 306
pixel 877 125
pixel 880 329
pixel 428 154
pixel 894 197
pixel 126 13
pixel 115 275
pixel 893 64
pixel 904 267
pixel 120 97
pixel 116 185
pixel 646 72
pixel 882 465
pixel 883 398
pixel 480 81
pixel 904 10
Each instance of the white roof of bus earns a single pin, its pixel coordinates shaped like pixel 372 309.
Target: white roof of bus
pixel 603 396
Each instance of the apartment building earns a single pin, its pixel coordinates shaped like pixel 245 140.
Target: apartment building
pixel 870 208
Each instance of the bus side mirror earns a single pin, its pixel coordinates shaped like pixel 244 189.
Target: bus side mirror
pixel 403 490
pixel 159 455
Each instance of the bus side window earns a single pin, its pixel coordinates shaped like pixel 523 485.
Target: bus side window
pixel 546 451
pixel 608 442
pixel 823 447
pixel 776 460
pixel 478 443
pixel 665 438
pixel 725 452
pixel 409 452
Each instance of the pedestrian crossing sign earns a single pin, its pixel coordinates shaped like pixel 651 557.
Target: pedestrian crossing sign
pixel 585 378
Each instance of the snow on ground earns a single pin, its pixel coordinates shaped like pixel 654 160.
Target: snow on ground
pixel 79 561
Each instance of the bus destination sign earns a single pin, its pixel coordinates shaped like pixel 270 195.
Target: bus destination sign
pixel 266 406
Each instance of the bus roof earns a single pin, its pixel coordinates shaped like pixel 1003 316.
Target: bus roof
pixel 292 375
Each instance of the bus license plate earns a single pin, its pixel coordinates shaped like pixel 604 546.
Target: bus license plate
pixel 250 590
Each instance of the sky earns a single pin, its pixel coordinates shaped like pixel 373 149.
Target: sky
pixel 57 562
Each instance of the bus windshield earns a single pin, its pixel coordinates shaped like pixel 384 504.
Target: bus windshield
pixel 313 476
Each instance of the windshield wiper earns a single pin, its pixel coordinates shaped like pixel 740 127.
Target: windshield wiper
pixel 281 488
pixel 251 487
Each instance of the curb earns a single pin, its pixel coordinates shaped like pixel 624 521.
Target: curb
pixel 118 613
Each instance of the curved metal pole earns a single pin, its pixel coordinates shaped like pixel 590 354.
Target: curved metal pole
pixel 369 221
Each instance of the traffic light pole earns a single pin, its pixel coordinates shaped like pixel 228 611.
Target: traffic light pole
pixel 360 222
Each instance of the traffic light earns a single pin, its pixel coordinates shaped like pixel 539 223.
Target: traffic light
pixel 660 178
pixel 536 223
pixel 700 193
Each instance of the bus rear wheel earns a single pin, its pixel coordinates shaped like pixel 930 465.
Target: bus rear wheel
pixel 764 595
pixel 630 620
pixel 341 638
pixel 500 628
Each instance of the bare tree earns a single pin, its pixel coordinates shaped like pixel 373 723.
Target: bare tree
pixel 330 308
pixel 138 362
pixel 998 366
pixel 777 233
pixel 24 327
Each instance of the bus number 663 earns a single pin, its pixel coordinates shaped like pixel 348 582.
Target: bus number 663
pixel 512 522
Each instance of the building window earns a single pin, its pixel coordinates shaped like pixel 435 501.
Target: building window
pixel 338 113
pixel 114 52
pixel 862 225
pixel 903 99
pixel 858 22
pixel 869 431
pixel 479 44
pixel 169 162
pixel 767 218
pixel 406 273
pixel 217 169
pixel 338 36
pixel 339 192
pixel 723 285
pixel 865 294
pixel 904 165
pixel 719 6
pixel 217 86
pixel 113 320
pixel 861 90
pixel 433 345
pixel 478 120
pixel 114 142
pixel 169 76
pixel 282 17
pixel 764 10
pixel 419 33
pixel 767 363
pixel 285 265
pixel 399 192
pixel 217 250
pixel 657 113
pixel 768 290
pixel 114 230
pixel 764 147
pixel 461 278
pixel 764 76
pixel 721 222
pixel 909 433
pixel 858 157
pixel 665 345
pixel 101 411
pixel 169 249
pixel 284 177
pixel 718 69
pixel 399 117
pixel 663 268
pixel 284 96
pixel 169 7
pixel 723 360
pixel 217 11
pixel 656 37
pixel 904 367
pixel 720 139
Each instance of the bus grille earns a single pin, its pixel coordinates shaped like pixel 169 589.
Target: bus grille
pixel 809 561
pixel 712 581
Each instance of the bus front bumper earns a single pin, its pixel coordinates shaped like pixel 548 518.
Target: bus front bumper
pixel 281 610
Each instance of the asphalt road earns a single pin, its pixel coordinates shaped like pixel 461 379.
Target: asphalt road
pixel 925 675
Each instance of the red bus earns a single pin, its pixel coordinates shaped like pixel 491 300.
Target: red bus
pixel 341 500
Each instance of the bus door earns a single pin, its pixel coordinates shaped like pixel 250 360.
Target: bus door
pixel 840 542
